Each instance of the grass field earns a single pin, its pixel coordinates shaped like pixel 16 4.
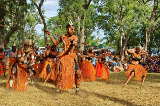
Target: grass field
pixel 98 93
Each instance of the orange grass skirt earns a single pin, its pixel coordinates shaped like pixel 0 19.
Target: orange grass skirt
pixel 139 70
pixel 20 80
pixel 65 72
pixel 88 72
pixel 44 73
pixel 102 71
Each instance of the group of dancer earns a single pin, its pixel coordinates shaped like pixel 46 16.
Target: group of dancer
pixel 66 69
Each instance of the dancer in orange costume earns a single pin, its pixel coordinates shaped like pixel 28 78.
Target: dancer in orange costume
pixel 102 70
pixel 87 69
pixel 49 65
pixel 18 75
pixel 135 69
pixel 52 54
pixel 46 66
pixel 21 70
pixel 67 67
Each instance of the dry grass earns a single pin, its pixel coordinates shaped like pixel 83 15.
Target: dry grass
pixel 98 93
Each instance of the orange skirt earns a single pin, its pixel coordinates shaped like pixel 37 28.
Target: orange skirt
pixel 102 71
pixel 65 72
pixel 52 75
pixel 20 79
pixel 10 63
pixel 88 72
pixel 48 68
pixel 138 69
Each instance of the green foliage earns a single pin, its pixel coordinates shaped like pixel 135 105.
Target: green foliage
pixel 73 10
pixel 129 17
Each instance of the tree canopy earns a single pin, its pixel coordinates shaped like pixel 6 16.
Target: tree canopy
pixel 126 23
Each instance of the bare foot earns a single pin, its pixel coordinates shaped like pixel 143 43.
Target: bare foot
pixel 59 91
pixel 77 90
pixel 125 84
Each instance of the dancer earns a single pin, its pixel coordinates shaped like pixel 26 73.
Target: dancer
pixel 135 69
pixel 49 64
pixel 102 70
pixel 21 71
pixel 86 66
pixel 67 64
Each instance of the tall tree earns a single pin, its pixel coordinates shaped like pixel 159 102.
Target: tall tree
pixel 40 11
pixel 123 21
pixel 12 18
pixel 118 18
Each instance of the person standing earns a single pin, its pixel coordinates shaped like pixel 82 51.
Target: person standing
pixel 67 63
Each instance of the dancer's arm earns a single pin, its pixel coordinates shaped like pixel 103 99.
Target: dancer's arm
pixel 73 44
pixel 55 42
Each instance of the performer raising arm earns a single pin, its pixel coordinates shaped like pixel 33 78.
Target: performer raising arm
pixel 67 65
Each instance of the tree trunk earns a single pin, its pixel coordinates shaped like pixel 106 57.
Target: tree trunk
pixel 79 25
pixel 39 8
pixel 82 37
pixel 123 45
pixel 147 36
pixel 122 36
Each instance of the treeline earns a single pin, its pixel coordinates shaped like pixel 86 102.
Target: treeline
pixel 126 23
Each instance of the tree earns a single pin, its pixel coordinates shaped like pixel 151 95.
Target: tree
pixel 119 20
pixel 39 8
pixel 127 23
pixel 11 19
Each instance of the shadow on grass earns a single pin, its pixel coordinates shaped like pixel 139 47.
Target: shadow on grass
pixel 153 77
pixel 154 87
pixel 45 88
pixel 119 78
pixel 114 99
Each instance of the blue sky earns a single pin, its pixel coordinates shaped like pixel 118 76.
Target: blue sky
pixel 51 7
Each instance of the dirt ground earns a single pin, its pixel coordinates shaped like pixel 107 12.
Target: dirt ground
pixel 98 93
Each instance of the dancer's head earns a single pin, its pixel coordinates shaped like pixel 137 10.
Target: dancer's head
pixel 137 49
pixel 70 29
pixel 28 44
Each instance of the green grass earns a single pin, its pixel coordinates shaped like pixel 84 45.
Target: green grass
pixel 97 93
